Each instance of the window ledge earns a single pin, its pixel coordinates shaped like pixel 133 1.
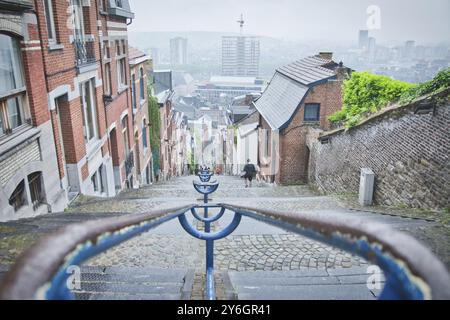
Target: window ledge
pixel 92 148
pixel 311 122
pixel 55 46
pixel 122 89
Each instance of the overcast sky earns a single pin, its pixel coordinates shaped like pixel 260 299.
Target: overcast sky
pixel 420 20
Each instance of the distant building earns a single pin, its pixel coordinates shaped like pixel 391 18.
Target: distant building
pixel 178 51
pixel 372 48
pixel 222 90
pixel 155 56
pixel 240 56
pixel 409 49
pixel 364 39
pixel 162 81
pixel 242 106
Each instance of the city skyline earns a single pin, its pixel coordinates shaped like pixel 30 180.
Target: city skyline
pixel 422 21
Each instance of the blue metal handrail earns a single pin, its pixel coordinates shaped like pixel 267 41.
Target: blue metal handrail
pixel 411 270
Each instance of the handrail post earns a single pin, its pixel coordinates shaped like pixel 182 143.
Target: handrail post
pixel 210 291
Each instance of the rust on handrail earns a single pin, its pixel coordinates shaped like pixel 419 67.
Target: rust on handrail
pixel 38 264
pixel 402 247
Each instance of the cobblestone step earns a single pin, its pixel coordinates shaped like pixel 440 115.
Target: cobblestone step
pixel 127 283
pixel 319 284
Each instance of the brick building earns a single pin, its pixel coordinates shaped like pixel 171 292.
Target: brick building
pixel 140 67
pixel 67 124
pixel 30 183
pixel 166 152
pixel 300 95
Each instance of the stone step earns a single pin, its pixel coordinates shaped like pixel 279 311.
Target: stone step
pixel 129 283
pixel 317 284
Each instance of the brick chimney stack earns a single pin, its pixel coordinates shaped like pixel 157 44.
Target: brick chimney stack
pixel 343 73
pixel 326 55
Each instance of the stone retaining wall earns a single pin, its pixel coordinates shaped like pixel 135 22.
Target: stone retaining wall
pixel 409 153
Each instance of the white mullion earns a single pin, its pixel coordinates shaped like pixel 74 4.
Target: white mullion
pixel 93 109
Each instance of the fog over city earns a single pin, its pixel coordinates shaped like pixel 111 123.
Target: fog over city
pixel 421 20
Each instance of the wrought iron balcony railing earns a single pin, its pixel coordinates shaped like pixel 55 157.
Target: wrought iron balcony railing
pixel 84 52
pixel 412 272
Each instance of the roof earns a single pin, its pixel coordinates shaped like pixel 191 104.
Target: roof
pixel 246 129
pixel 289 87
pixel 280 100
pixel 163 96
pixel 309 70
pixel 136 56
pixel 233 80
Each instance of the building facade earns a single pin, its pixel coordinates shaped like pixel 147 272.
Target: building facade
pixel 302 94
pixel 240 56
pixel 67 125
pixel 140 67
pixel 30 182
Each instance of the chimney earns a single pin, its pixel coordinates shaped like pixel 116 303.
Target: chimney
pixel 342 73
pixel 326 55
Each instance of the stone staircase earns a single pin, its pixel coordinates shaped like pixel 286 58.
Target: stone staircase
pixel 320 284
pixel 122 283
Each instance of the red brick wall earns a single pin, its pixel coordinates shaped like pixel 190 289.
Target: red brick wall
pixel 294 155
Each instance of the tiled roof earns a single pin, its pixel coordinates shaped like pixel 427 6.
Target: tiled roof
pixel 289 87
pixel 134 53
pixel 309 70
pixel 280 100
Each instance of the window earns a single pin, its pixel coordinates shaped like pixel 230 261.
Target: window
pixel 97 180
pixel 108 85
pixel 125 136
pixel 144 134
pixel 267 140
pixel 50 21
pixel 118 52
pixel 106 50
pixel 119 3
pixel 312 112
pixel 89 110
pixel 122 71
pixel 18 197
pixel 133 91
pixel 36 191
pixel 78 19
pixel 124 47
pixel 103 5
pixel 13 104
pixel 141 83
pixel 94 180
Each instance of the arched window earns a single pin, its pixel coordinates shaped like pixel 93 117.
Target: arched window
pixel 18 198
pixel 141 83
pixel 36 189
pixel 144 134
pixel 13 105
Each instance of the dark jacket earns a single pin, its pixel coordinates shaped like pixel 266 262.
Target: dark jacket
pixel 250 170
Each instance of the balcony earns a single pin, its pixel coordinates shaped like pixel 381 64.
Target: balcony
pixel 85 55
pixel 120 8
pixel 129 163
pixel 16 5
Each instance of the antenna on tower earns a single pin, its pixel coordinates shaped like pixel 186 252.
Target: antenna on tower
pixel 241 23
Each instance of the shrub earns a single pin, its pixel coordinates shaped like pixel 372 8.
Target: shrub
pixel 441 81
pixel 366 93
